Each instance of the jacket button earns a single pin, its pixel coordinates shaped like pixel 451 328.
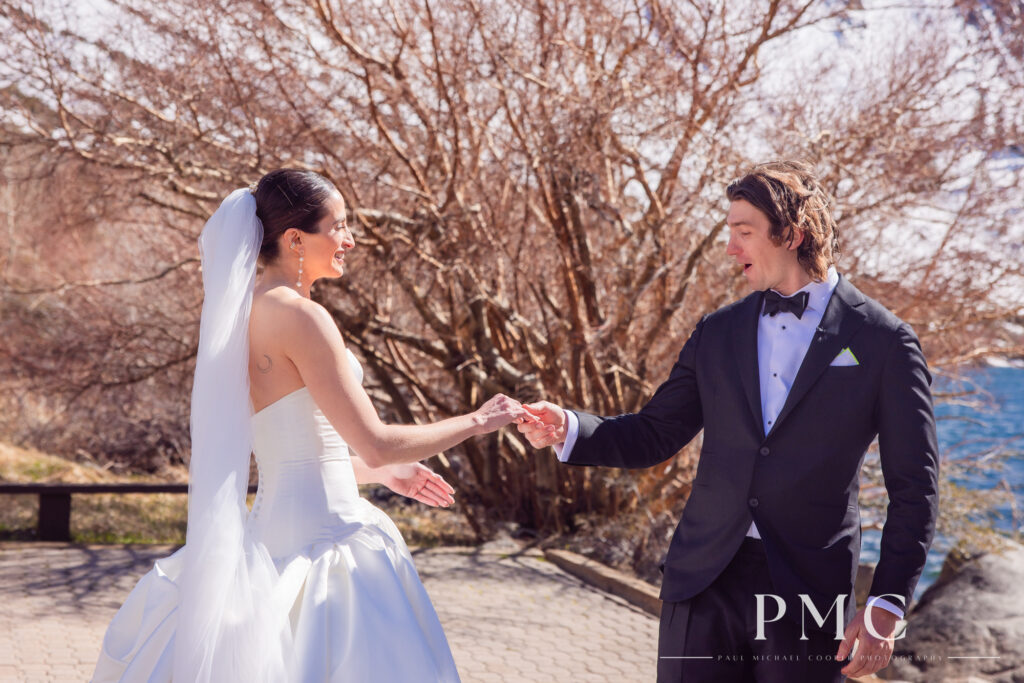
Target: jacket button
pixel 765 450
pixel 752 502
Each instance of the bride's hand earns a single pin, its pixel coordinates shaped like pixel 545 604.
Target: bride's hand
pixel 499 411
pixel 419 482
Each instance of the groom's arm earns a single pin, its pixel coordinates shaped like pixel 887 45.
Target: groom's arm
pixel 668 422
pixel 909 455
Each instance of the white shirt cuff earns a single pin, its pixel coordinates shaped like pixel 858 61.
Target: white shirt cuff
pixel 886 605
pixel 572 430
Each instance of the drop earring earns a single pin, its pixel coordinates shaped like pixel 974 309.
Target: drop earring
pixel 298 282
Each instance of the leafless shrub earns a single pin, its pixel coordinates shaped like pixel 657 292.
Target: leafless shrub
pixel 537 187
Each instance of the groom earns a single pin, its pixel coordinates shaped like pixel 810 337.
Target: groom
pixel 790 385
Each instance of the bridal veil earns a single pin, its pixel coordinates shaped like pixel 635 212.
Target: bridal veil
pixel 230 627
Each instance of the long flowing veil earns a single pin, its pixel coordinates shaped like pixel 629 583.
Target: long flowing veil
pixel 228 627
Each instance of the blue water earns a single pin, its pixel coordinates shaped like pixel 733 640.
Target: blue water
pixel 990 421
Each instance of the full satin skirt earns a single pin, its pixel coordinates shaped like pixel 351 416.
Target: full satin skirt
pixel 358 613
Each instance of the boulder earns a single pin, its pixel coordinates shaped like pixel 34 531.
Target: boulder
pixel 969 625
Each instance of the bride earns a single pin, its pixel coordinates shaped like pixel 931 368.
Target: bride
pixel 314 583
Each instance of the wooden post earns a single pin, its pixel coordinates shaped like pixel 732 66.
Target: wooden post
pixel 54 516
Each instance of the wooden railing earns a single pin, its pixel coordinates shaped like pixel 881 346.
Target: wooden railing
pixel 55 501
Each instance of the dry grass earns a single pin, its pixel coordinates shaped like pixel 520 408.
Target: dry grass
pixel 420 525
pixel 161 517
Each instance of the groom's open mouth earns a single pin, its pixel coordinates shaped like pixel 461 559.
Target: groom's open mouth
pixel 339 256
pixel 746 266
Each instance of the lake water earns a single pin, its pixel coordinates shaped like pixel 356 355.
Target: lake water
pixel 996 426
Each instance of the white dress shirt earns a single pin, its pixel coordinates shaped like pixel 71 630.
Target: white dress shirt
pixel 782 343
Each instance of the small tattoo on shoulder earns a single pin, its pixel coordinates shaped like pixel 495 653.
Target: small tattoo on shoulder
pixel 265 368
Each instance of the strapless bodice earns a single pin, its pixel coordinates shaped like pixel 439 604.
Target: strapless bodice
pixel 307 489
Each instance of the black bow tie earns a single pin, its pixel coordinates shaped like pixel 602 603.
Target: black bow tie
pixel 775 303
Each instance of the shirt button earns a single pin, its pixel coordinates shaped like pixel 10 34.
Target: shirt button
pixel 765 450
pixel 752 502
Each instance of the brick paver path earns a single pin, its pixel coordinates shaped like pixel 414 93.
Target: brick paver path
pixel 514 619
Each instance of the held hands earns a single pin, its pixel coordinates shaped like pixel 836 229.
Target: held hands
pixel 499 411
pixel 419 482
pixel 872 654
pixel 544 425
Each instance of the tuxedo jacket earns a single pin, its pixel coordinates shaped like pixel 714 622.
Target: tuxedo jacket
pixel 799 482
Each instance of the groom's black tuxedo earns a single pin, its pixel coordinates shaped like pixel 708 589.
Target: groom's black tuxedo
pixel 799 483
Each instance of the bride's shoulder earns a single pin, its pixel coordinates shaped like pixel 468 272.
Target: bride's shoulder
pixel 284 309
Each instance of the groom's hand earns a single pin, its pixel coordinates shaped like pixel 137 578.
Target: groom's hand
pixel 547 427
pixel 872 652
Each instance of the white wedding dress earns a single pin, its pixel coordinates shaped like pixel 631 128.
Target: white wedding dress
pixel 358 611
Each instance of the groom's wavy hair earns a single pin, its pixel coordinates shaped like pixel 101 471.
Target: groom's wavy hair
pixel 289 198
pixel 793 199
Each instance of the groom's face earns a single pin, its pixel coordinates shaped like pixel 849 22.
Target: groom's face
pixel 765 264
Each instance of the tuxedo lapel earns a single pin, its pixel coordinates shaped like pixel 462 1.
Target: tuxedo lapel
pixel 744 339
pixel 840 321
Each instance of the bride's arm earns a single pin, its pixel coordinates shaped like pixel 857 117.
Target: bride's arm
pixel 311 340
pixel 364 473
pixel 416 481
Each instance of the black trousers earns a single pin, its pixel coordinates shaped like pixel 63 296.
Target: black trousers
pixel 712 636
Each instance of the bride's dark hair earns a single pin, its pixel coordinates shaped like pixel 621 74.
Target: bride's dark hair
pixel 289 198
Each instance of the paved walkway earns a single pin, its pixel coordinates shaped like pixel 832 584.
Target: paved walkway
pixel 513 619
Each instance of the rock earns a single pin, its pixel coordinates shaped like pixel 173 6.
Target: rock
pixel 969 625
pixel 630 588
pixel 862 584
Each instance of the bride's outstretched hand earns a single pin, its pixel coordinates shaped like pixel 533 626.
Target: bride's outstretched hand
pixel 419 482
pixel 499 411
